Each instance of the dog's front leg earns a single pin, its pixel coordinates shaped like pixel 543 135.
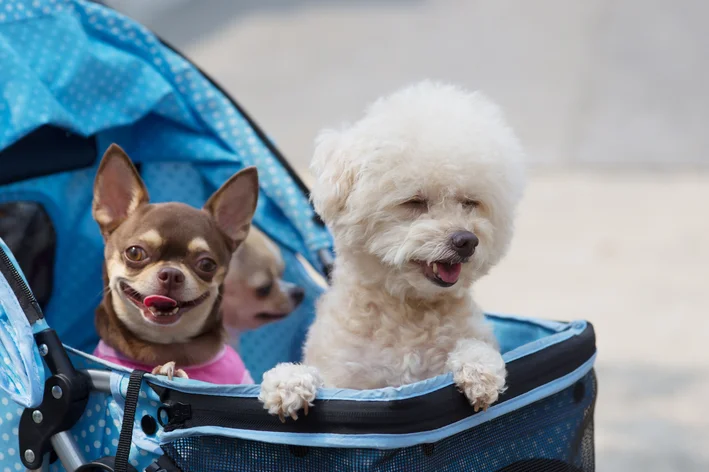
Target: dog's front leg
pixel 170 371
pixel 478 371
pixel 289 388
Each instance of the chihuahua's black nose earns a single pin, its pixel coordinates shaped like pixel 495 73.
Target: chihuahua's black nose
pixel 297 294
pixel 464 243
pixel 170 277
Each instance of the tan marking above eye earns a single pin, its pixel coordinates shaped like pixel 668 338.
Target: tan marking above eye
pixel 152 238
pixel 198 245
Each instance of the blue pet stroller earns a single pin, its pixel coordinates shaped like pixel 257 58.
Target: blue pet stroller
pixel 76 76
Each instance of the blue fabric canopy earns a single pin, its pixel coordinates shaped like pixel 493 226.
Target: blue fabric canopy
pixel 90 71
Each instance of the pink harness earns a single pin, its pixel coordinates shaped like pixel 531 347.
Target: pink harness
pixel 225 368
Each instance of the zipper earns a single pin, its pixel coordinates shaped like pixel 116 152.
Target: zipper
pixel 22 292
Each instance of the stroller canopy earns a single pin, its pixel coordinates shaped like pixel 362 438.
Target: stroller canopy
pixel 77 77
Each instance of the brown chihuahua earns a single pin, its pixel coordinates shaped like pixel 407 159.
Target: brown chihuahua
pixel 164 270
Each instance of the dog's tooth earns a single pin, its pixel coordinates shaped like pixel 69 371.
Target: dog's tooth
pixel 434 266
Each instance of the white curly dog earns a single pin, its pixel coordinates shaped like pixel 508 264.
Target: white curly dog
pixel 420 196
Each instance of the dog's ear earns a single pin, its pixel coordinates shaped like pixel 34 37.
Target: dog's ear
pixel 335 172
pixel 118 190
pixel 232 206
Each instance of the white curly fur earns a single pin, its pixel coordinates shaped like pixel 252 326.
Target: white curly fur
pixel 382 322
pixel 288 388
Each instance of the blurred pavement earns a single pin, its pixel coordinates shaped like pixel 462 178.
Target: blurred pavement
pixel 598 82
pixel 610 99
pixel 627 252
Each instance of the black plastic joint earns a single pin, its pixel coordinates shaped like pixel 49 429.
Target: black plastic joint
pixel 64 400
pixel 162 464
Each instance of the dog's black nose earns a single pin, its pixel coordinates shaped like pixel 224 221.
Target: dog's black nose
pixel 464 243
pixel 170 277
pixel 297 294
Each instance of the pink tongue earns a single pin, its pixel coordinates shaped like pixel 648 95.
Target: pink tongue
pixel 449 273
pixel 160 302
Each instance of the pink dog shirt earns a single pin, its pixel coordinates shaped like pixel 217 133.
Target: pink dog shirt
pixel 226 367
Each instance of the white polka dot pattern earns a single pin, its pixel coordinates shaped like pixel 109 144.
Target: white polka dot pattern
pixel 82 67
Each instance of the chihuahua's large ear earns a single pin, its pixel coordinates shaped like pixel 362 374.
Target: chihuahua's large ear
pixel 335 171
pixel 118 190
pixel 234 204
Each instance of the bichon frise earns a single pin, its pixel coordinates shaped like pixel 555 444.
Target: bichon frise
pixel 420 196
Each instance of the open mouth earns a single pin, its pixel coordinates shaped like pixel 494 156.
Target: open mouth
pixel 271 316
pixel 160 309
pixel 442 273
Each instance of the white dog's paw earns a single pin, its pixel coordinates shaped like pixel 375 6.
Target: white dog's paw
pixel 478 371
pixel 170 371
pixel 480 384
pixel 289 388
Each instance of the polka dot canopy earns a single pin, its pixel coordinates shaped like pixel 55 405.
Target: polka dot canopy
pixel 93 72
pixel 86 69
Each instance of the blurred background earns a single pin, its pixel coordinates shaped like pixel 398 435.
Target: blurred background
pixel 610 99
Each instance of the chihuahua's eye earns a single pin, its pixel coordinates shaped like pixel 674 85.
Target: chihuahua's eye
pixel 207 265
pixel 264 290
pixel 136 254
pixel 470 203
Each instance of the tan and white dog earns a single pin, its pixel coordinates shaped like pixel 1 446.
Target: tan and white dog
pixel 255 293
pixel 420 196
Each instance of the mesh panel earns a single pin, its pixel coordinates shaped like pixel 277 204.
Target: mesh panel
pixel 552 435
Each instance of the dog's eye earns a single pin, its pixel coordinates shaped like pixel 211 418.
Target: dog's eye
pixel 416 203
pixel 470 203
pixel 264 290
pixel 136 254
pixel 207 265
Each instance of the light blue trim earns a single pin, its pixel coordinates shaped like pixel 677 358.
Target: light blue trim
pixel 564 331
pixel 39 326
pixel 573 329
pixel 381 394
pixel 544 323
pixel 389 441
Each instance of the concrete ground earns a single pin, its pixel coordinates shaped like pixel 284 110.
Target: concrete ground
pixel 627 252
pixel 609 98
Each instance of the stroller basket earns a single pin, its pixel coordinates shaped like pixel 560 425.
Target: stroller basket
pixel 77 77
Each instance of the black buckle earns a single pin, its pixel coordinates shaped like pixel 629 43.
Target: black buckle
pixel 177 413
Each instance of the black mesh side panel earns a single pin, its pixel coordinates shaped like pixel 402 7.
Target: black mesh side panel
pixel 554 434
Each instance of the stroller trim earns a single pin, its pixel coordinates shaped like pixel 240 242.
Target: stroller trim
pixel 361 417
pixel 388 441
pixel 563 332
